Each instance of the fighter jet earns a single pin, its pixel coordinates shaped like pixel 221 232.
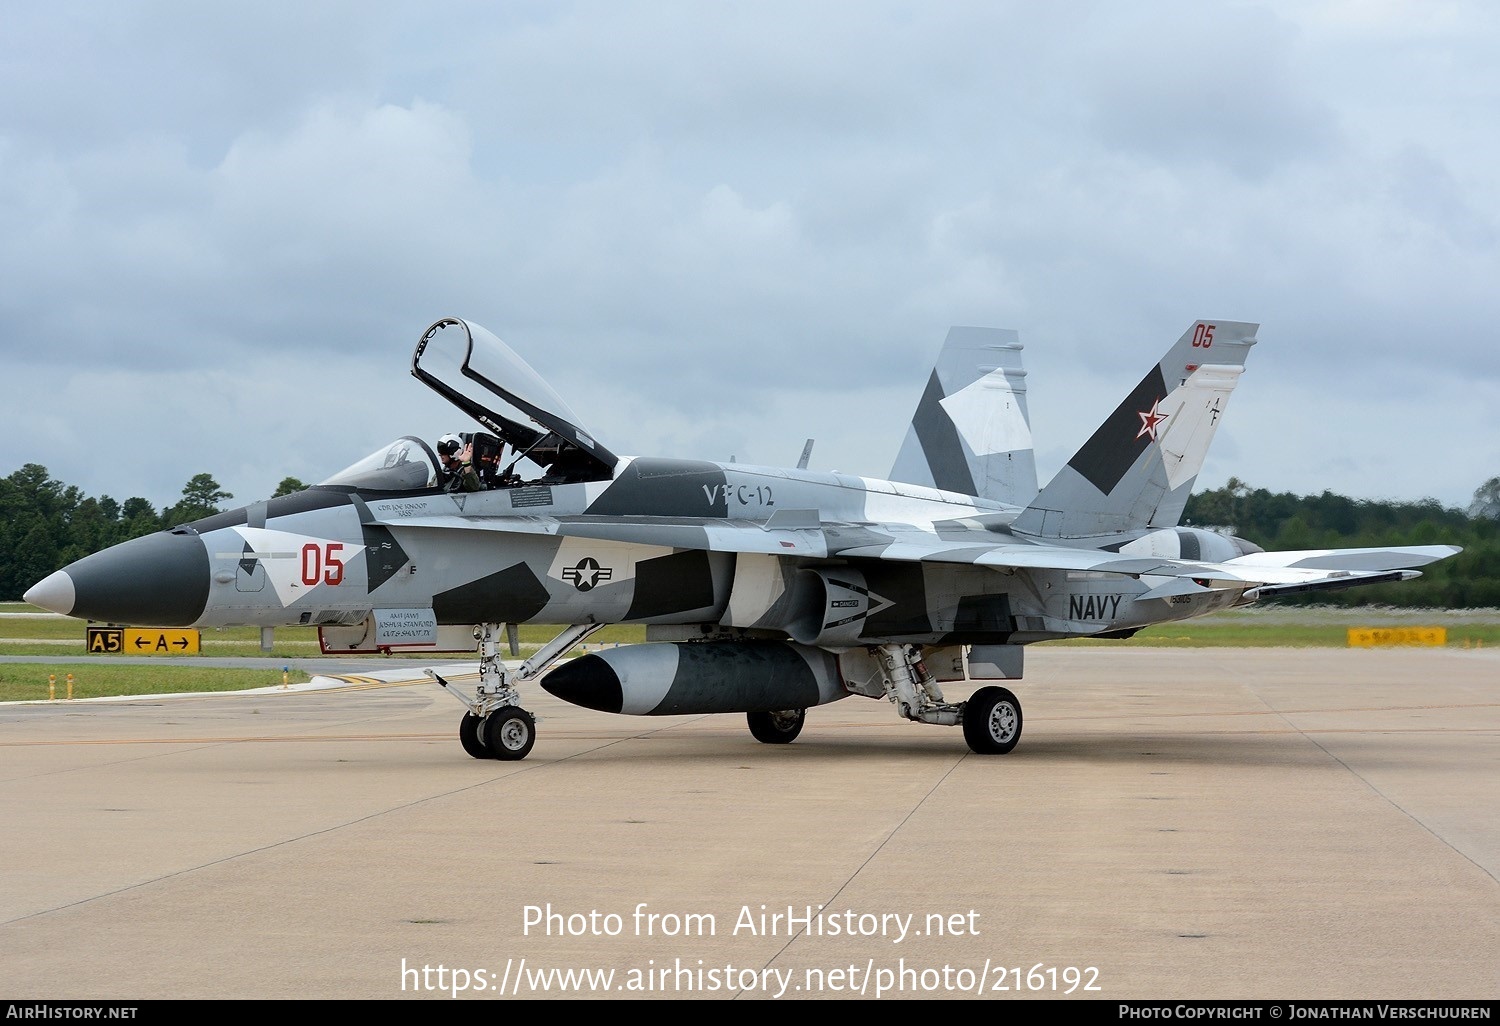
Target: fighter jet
pixel 763 591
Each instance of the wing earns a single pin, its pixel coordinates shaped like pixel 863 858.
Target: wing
pixel 795 535
pixel 712 534
pixel 1271 573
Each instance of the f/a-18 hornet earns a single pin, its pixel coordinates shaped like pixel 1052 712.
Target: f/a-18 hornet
pixel 763 591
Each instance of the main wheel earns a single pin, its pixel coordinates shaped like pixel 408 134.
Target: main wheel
pixel 992 721
pixel 470 737
pixel 777 728
pixel 510 732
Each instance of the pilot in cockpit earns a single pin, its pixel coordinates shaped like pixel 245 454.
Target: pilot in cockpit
pixel 457 458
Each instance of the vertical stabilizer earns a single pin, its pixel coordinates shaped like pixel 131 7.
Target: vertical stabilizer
pixel 971 432
pixel 1138 468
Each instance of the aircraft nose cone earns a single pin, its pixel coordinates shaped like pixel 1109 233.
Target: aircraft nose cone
pixel 54 593
pixel 160 580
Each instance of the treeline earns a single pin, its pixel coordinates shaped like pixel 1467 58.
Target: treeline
pixel 1281 520
pixel 45 525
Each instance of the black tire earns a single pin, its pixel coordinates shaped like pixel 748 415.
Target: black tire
pixel 777 728
pixel 510 732
pixel 992 721
pixel 470 737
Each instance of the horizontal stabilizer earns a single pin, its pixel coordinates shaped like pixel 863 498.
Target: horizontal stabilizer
pixel 1336 583
pixel 1403 557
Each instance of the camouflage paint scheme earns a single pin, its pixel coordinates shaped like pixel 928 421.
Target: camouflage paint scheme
pixel 765 590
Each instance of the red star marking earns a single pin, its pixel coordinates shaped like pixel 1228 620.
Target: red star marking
pixel 1150 420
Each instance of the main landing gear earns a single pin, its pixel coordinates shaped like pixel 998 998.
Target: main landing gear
pixel 991 718
pixel 992 721
pixel 777 728
pixel 495 726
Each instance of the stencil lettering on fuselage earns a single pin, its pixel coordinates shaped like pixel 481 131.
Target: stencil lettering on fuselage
pixel 1093 607
pixel 294 564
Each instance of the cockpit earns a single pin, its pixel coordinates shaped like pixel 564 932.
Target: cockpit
pixel 406 465
pixel 484 377
pixel 531 435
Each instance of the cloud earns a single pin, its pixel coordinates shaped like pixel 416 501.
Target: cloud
pixel 718 229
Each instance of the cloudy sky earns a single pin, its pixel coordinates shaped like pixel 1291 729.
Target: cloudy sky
pixel 722 228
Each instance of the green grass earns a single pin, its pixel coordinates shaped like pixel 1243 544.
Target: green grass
pixel 97 678
pixel 1320 626
pixel 46 635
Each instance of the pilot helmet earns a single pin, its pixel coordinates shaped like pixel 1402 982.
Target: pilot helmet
pixel 449 445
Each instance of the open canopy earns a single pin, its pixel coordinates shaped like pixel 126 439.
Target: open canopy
pixel 484 377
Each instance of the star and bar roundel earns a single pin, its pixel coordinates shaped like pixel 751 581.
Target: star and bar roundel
pixel 586 573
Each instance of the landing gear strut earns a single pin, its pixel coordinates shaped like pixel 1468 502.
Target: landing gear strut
pixel 991 718
pixel 495 726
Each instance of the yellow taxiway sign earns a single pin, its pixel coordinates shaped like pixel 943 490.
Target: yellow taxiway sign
pixel 144 641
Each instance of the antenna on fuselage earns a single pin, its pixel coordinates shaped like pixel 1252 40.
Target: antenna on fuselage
pixel 806 455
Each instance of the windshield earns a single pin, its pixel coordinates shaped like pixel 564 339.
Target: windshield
pixel 485 378
pixel 405 465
